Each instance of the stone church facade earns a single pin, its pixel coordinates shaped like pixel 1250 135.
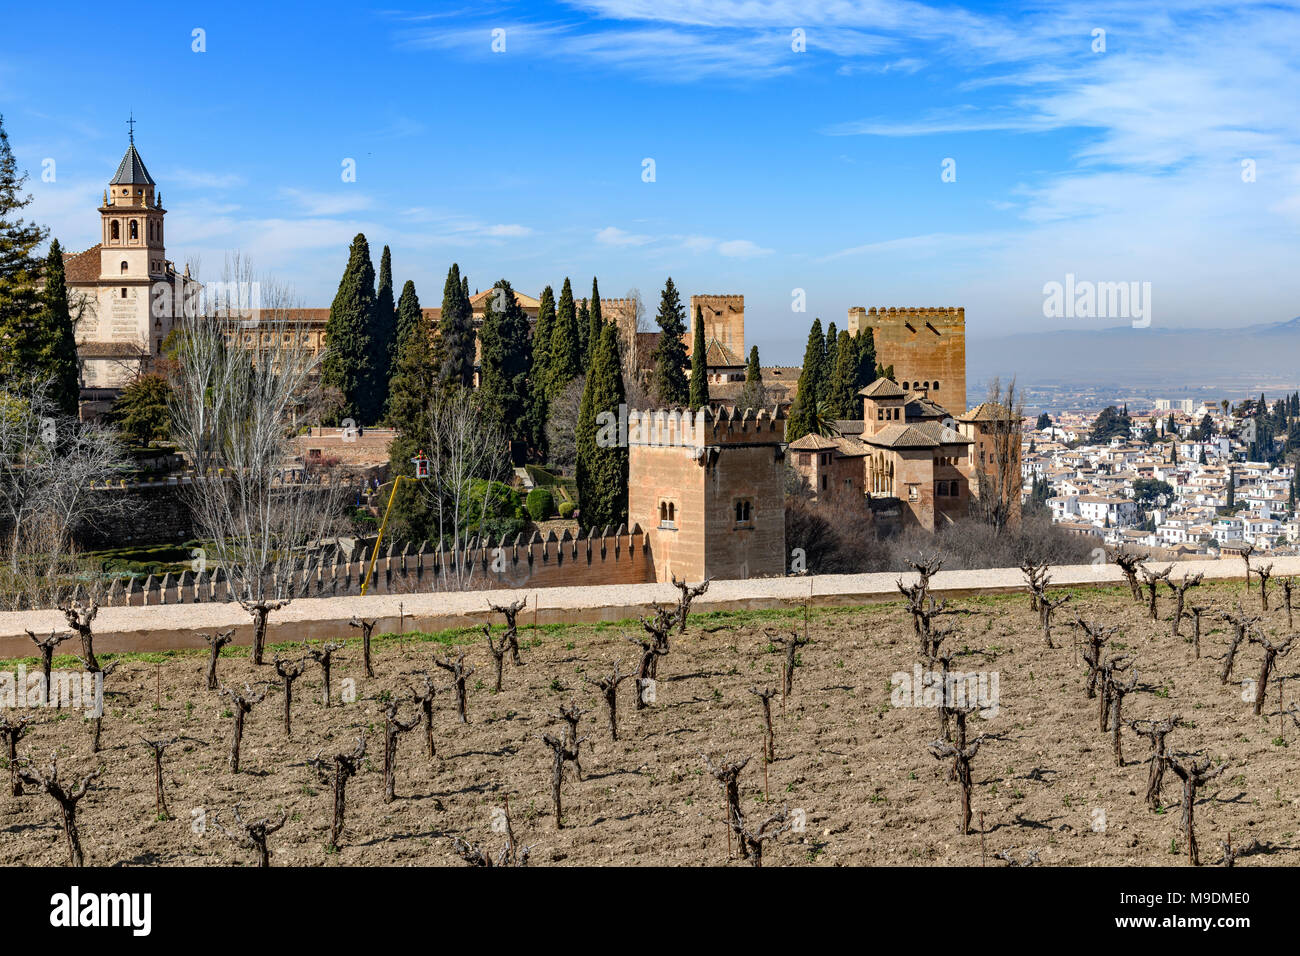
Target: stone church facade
pixel 129 294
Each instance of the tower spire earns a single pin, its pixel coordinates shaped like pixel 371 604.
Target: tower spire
pixel 130 125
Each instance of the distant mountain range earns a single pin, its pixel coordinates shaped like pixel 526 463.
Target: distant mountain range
pixel 1154 356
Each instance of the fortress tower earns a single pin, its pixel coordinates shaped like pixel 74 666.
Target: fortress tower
pixel 707 490
pixel 724 322
pixel 926 347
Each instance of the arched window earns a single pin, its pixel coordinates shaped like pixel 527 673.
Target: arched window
pixel 114 230
pixel 925 386
pixel 936 385
pixel 135 229
pixel 123 267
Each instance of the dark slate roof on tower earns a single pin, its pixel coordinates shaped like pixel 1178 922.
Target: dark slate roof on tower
pixel 131 171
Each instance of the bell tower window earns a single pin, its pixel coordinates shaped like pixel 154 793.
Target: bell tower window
pixel 123 267
pixel 135 229
pixel 114 230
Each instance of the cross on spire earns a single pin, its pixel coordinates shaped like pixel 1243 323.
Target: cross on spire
pixel 130 125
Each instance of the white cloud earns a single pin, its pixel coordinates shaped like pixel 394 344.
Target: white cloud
pixel 613 236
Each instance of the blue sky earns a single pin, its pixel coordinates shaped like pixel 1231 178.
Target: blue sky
pixel 775 169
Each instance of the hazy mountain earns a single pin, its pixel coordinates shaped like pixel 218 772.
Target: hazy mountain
pixel 1124 355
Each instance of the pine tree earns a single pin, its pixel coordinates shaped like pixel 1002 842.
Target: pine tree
pixel 803 413
pixel 348 364
pixel 564 356
pixel 56 348
pixel 504 364
pixel 602 466
pixel 141 413
pixel 865 345
pixel 1232 488
pixel 699 395
pixel 670 385
pixel 20 267
pixel 456 329
pixel 753 395
pixel 383 336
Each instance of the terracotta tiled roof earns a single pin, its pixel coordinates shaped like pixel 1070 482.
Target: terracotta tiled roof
pixel 82 266
pixel 985 412
pixel 902 436
pixel 813 442
pixel 882 388
pixel 718 355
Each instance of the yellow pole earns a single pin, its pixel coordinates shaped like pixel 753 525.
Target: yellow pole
pixel 371 570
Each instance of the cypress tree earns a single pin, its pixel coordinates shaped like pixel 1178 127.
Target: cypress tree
pixel 348 362
pixel 602 466
pixel 57 340
pixel 584 336
pixel 832 354
pixel 670 385
pixel 414 370
pixel 20 267
pixel 456 330
pixel 865 345
pixel 504 364
pixel 803 413
pixel 753 395
pixel 597 322
pixel 564 358
pixel 538 405
pixel 699 396
pixel 383 336
pixel 843 387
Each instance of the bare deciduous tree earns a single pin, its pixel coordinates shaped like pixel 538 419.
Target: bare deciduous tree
pixel 962 757
pixel 346 765
pixel 289 672
pixel 685 597
pixel 215 643
pixel 1194 775
pixel 564 750
pixel 47 646
pixel 1242 624
pixel 234 416
pixel 511 854
pixel 324 656
pixel 367 626
pixel 765 695
pixel 1046 607
pixel 1130 562
pixel 1272 651
pixel 1151 581
pixel 157 748
pixel 498 652
pixel 49 465
pixel 1264 572
pixel 1180 596
pixel 1096 636
pixel 792 645
pixel 770 828
pixel 1196 611
pixel 394 727
pixel 66 799
pixel 424 698
pixel 459 674
pixel 241 704
pixel 254 834
pixel 728 774
pixel 511 636
pixel 609 690
pixel 1155 731
pixel 998 479
pixel 13 729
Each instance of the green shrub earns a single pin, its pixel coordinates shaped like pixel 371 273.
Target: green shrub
pixel 540 504
pixel 566 509
pixel 539 475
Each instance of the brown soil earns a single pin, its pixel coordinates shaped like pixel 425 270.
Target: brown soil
pixel 858 767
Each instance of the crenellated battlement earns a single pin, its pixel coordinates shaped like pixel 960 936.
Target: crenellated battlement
pixel 611 556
